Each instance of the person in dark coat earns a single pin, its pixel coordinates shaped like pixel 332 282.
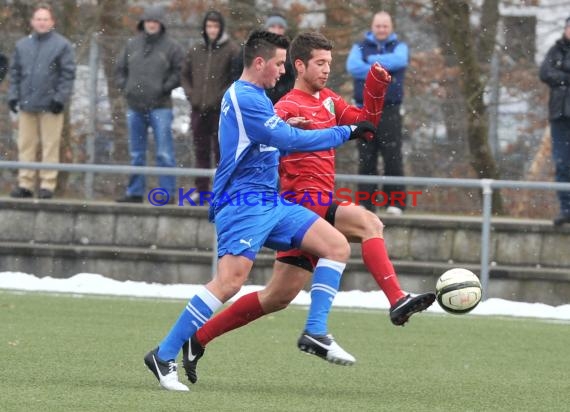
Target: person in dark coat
pixel 3 66
pixel 207 72
pixel 42 73
pixel 147 71
pixel 555 72
pixel 276 23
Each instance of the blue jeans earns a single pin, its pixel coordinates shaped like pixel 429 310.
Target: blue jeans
pixel 560 131
pixel 160 120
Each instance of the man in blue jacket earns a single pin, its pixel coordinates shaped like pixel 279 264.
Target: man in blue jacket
pixel 381 45
pixel 41 80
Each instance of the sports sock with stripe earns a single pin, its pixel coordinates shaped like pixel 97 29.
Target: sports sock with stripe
pixel 198 310
pixel 326 281
pixel 244 310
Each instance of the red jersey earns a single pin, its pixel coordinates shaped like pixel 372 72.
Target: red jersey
pixel 314 171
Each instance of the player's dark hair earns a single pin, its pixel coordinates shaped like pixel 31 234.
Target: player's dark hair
pixel 303 45
pixel 261 43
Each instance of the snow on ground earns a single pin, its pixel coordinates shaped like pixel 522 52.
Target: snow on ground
pixel 87 283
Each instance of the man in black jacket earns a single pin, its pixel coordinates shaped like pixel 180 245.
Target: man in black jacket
pixel 555 72
pixel 3 66
pixel 276 23
pixel 147 71
pixel 41 80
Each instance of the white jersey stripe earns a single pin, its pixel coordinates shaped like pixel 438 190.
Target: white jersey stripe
pixel 243 140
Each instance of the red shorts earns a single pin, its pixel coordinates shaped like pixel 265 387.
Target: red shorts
pixel 323 207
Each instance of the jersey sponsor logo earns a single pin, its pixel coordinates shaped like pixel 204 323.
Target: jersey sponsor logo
pixel 246 242
pixel 272 122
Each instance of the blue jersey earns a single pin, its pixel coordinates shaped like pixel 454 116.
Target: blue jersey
pixel 251 138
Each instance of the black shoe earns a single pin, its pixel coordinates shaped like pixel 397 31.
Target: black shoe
pixel 45 194
pixel 324 347
pixel 165 371
pixel 21 193
pixel 408 305
pixel 130 199
pixel 561 220
pixel 192 351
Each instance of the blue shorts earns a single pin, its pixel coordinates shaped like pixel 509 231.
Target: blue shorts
pixel 244 230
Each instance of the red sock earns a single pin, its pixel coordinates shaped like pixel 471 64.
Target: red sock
pixel 244 310
pixel 375 257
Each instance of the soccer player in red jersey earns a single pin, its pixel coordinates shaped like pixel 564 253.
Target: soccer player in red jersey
pixel 308 178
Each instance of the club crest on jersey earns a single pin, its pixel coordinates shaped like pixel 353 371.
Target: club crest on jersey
pixel 329 105
pixel 272 122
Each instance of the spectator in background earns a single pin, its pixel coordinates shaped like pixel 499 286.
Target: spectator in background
pixel 147 71
pixel 381 45
pixel 277 24
pixel 206 74
pixel 41 80
pixel 555 72
pixel 3 66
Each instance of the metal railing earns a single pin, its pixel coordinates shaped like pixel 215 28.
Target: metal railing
pixel 485 185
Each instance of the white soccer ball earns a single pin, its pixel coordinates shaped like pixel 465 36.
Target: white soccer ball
pixel 458 291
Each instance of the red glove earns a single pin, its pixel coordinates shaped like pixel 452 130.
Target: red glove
pixel 381 74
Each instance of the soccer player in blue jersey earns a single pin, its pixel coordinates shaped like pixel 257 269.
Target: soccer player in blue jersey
pixel 247 209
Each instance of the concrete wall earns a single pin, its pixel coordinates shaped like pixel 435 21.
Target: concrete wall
pixel 530 259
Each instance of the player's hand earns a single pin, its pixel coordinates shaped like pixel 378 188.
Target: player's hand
pixel 381 74
pixel 364 130
pixel 299 122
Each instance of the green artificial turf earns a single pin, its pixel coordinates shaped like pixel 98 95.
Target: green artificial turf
pixel 67 353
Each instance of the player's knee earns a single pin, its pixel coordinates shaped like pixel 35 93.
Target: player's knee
pixel 367 225
pixel 340 251
pixel 374 226
pixel 228 284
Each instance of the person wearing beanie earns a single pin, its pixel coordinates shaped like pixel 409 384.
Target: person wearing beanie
pixel 207 72
pixel 147 71
pixel 555 72
pixel 276 23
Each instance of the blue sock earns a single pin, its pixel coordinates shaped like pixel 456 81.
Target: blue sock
pixel 198 310
pixel 326 281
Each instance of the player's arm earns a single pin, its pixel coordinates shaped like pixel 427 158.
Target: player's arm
pixel 269 129
pixel 375 86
